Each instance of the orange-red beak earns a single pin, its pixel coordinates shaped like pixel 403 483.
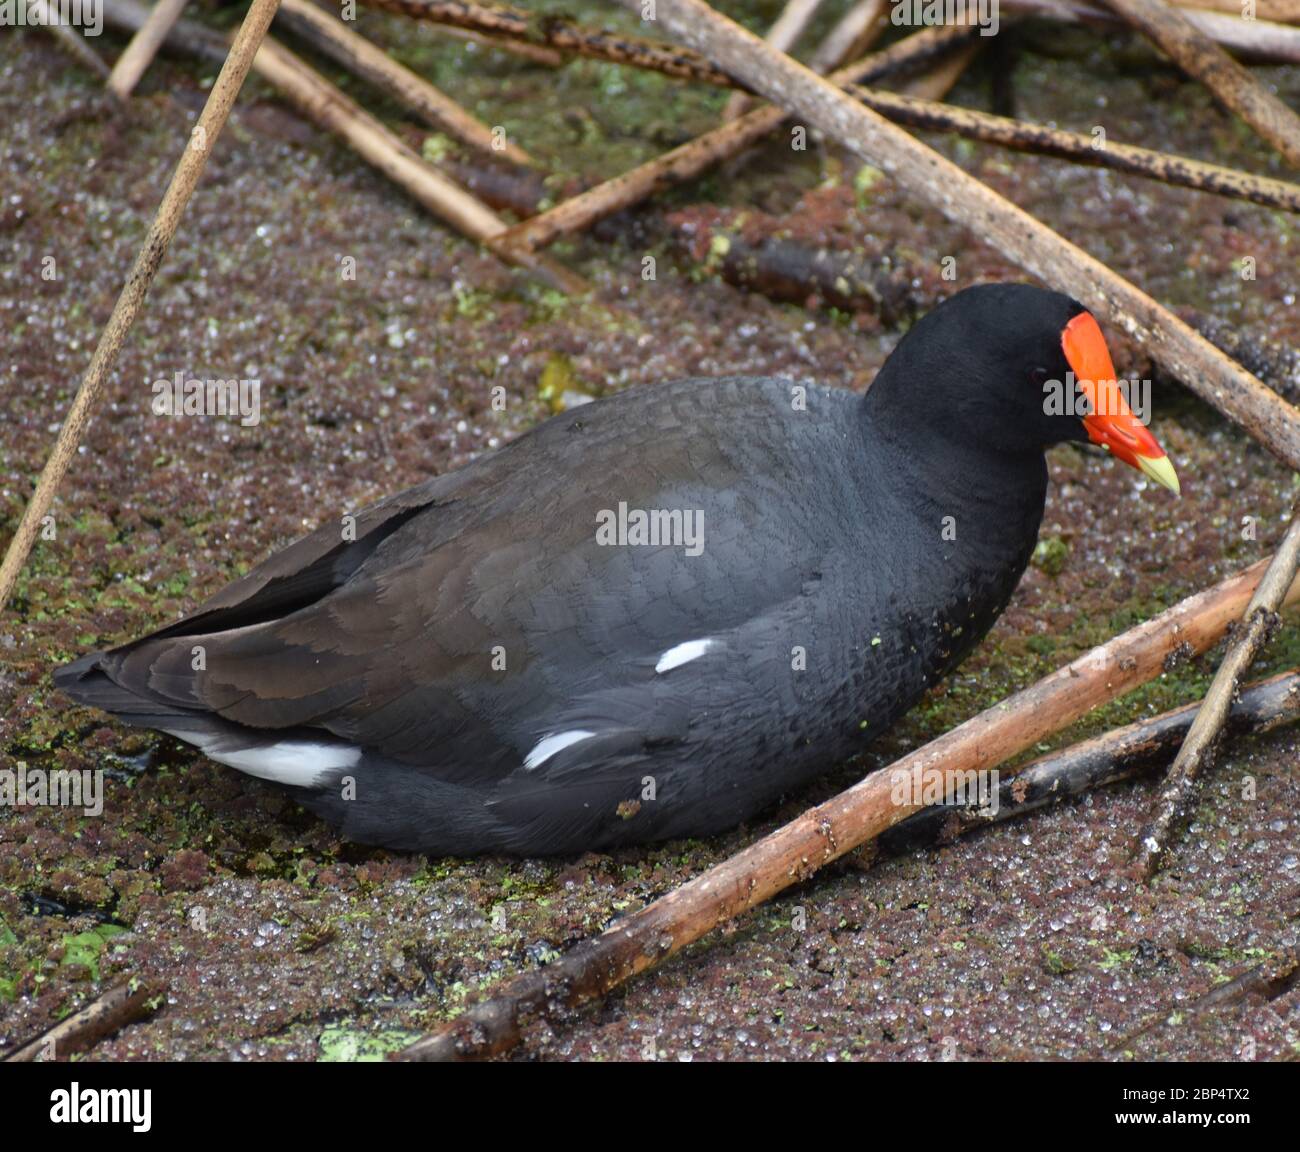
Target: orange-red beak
pixel 1111 423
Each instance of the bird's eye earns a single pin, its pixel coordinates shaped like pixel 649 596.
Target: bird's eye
pixel 1039 376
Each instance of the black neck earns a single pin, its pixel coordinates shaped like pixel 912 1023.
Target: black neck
pixel 928 449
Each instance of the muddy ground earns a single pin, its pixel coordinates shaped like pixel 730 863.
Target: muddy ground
pixel 276 940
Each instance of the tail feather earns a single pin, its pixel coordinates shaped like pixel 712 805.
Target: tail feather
pixel 87 682
pixel 300 758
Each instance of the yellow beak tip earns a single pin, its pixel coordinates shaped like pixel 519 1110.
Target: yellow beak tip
pixel 1161 471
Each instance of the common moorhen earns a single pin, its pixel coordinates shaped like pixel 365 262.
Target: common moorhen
pixel 650 616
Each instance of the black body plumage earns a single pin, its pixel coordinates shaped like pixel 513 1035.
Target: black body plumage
pixel 853 550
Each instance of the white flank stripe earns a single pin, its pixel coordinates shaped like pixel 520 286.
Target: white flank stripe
pixel 548 746
pixel 683 654
pixel 301 763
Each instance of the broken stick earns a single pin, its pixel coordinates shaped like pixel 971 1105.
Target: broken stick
pixel 1269 979
pixel 336 40
pixel 184 179
pixel 781 268
pixel 143 47
pixel 942 78
pixel 1197 753
pixel 799 849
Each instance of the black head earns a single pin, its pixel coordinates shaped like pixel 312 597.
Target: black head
pixel 1010 369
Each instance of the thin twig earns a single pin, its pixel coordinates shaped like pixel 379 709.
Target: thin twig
pixel 1202 59
pixel 121 1005
pixel 942 78
pixel 940 184
pixel 131 300
pixel 1197 753
pixel 1097 763
pixel 799 849
pixel 534 53
pixel 1272 978
pixel 1163 166
pixel 563 34
pixel 322 102
pixel 333 38
pixel 144 45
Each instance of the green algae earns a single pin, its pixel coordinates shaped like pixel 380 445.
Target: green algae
pixel 85 949
pixel 339 1044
